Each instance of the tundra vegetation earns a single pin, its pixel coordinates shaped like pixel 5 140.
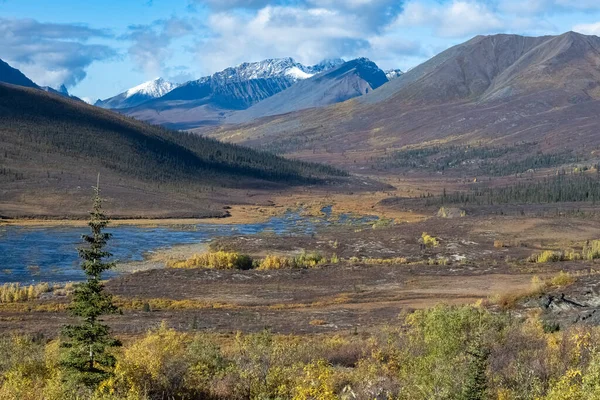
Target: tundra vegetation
pixel 445 352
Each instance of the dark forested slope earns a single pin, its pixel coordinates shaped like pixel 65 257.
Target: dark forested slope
pixel 49 141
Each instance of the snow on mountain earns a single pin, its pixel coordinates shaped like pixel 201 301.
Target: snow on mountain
pixel 274 68
pixel 139 94
pixel 155 88
pixel 393 73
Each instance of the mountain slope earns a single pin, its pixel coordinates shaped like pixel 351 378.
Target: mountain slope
pixel 138 95
pixel 351 79
pixel 13 76
pixel 61 91
pixel 498 89
pixel 52 146
pixel 207 101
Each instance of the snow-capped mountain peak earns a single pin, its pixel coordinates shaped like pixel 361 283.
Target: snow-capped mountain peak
pixel 393 73
pixel 154 88
pixel 275 68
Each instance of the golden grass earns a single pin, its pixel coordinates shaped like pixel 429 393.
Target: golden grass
pixel 509 300
pixel 214 260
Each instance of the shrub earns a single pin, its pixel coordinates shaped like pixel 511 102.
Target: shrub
pixel 429 240
pixel 546 256
pixel 591 250
pixel 14 292
pixel 276 262
pixel 562 279
pixel 309 260
pixel 215 260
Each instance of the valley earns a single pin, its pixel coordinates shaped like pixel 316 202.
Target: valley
pixel 330 231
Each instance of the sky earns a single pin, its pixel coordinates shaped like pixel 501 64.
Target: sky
pixel 101 48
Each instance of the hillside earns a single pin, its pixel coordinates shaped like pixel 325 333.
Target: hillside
pixel 13 76
pixel 351 79
pixel 495 90
pixel 53 148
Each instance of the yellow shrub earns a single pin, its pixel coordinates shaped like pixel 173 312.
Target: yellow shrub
pixel 429 240
pixel 591 250
pixel 14 292
pixel 546 256
pixel 215 260
pixel 276 262
pixel 152 365
pixel 316 383
pixel 562 279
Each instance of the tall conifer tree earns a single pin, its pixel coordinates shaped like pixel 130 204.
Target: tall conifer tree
pixel 89 342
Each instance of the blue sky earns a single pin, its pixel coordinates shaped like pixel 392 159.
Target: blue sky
pixel 100 48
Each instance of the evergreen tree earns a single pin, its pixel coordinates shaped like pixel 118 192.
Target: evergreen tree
pixel 475 387
pixel 89 342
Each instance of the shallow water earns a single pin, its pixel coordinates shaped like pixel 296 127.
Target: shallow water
pixel 49 254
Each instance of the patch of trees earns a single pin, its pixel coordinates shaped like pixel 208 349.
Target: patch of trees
pixel 481 160
pixel 576 187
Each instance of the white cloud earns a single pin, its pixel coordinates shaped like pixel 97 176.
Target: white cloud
pixel 151 44
pixel 51 54
pixel 455 19
pixel 588 29
pixel 309 31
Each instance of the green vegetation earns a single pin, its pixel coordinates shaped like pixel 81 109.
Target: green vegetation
pixel 88 343
pixel 478 159
pixel 441 353
pixel 576 187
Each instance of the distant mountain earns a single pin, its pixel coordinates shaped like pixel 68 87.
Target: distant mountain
pixel 351 79
pixel 392 74
pixel 500 89
pixel 13 76
pixel 61 91
pixel 137 95
pixel 208 101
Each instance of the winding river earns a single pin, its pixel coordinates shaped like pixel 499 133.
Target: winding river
pixel 30 254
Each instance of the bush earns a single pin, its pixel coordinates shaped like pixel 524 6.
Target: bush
pixel 276 262
pixel 546 256
pixel 14 292
pixel 429 240
pixel 562 279
pixel 215 260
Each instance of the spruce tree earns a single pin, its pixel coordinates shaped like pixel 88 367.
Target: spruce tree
pixel 89 342
pixel 475 386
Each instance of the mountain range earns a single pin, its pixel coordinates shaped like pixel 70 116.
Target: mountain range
pixel 219 98
pixel 497 89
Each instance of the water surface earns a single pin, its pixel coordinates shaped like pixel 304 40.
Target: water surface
pixel 49 254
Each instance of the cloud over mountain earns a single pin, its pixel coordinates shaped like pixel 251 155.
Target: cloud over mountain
pixel 52 54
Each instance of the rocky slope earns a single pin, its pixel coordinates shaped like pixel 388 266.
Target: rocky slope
pixel 13 76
